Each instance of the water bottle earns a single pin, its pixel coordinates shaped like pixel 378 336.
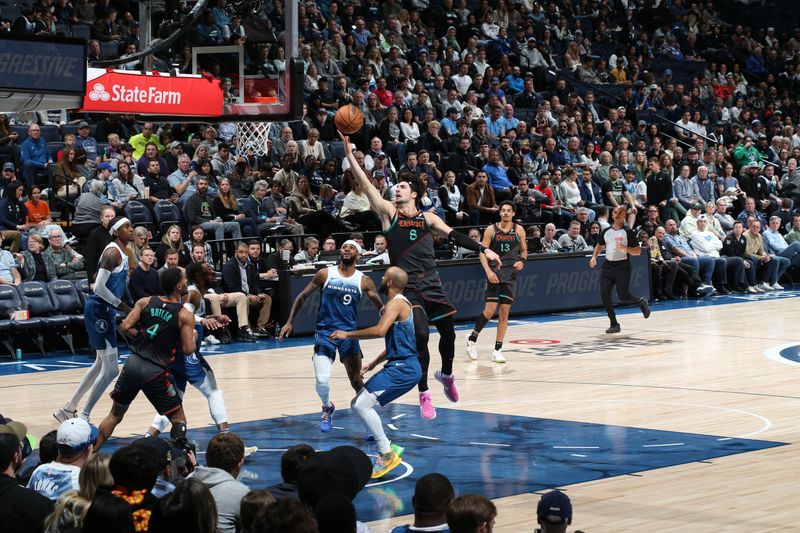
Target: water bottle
pixel 277 329
pixel 18 354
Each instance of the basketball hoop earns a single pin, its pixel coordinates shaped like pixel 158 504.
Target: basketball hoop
pixel 253 137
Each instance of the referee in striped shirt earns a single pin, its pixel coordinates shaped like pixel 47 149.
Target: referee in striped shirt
pixel 619 242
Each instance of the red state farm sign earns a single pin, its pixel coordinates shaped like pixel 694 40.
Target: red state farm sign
pixel 115 92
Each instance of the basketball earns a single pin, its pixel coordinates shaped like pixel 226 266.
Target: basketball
pixel 349 119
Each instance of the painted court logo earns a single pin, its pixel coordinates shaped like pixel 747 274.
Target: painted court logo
pixel 788 354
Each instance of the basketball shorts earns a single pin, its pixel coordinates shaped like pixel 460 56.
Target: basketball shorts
pixel 100 320
pixel 396 378
pixel 323 345
pixel 502 293
pixel 190 369
pixel 428 294
pixel 155 382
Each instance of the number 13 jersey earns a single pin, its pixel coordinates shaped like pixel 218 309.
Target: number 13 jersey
pixel 338 307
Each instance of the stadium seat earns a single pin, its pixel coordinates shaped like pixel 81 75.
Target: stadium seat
pixel 82 286
pixel 138 214
pixel 69 128
pixel 53 148
pixel 50 133
pixel 21 130
pixel 67 303
pixel 240 203
pixel 109 50
pixel 167 214
pixel 81 31
pixel 337 150
pixel 37 301
pixel 9 300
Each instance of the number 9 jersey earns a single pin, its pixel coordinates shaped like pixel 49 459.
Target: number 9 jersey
pixel 340 298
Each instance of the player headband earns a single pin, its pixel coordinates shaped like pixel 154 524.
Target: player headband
pixel 354 244
pixel 118 224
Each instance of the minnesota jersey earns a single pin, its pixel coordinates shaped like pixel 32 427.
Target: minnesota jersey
pixel 506 245
pixel 338 307
pixel 400 339
pixel 410 243
pixel 160 329
pixel 200 311
pixel 119 276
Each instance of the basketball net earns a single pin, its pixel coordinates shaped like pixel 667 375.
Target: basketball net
pixel 253 138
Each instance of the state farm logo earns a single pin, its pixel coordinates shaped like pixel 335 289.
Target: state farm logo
pixel 99 93
pixel 125 94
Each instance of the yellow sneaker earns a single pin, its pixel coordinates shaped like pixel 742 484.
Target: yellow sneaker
pixel 385 463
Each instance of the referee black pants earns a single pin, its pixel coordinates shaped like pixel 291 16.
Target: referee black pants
pixel 616 274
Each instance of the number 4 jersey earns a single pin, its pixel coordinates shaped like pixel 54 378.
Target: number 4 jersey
pixel 160 331
pixel 338 308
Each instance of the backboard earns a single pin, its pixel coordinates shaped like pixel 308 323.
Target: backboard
pixel 261 76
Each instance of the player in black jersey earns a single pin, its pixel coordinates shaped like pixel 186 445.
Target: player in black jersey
pixel 619 242
pixel 158 327
pixel 507 239
pixel 409 234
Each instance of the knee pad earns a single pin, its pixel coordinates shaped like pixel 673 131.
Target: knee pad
pixel 363 401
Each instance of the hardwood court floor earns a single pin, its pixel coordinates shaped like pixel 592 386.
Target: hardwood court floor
pixel 699 370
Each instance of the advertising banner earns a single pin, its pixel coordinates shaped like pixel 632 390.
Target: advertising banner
pixel 116 91
pixel 548 284
pixel 42 66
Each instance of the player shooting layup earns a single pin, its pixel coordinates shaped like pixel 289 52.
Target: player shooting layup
pixel 100 317
pixel 409 234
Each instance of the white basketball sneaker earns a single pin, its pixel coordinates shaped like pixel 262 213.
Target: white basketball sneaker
pixel 472 350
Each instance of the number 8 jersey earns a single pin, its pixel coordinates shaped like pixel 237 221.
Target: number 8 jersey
pixel 340 297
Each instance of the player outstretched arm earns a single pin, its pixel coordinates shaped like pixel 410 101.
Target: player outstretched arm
pixel 440 227
pixel 383 208
pixel 488 234
pixel 368 287
pixel 316 282
pixel 110 260
pixel 390 313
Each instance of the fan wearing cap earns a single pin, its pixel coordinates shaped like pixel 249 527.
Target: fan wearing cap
pixel 75 440
pixel 705 243
pixel 399 375
pixel 409 234
pixel 100 314
pixel 20 504
pixel 88 143
pixel 342 288
pixel 554 512
pixel 159 326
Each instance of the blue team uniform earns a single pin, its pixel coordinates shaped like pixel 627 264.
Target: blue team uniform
pixel 402 370
pixel 99 316
pixel 191 368
pixel 338 309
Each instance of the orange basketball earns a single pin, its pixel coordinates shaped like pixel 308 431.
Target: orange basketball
pixel 349 119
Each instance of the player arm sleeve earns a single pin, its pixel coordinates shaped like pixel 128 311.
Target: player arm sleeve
pixel 102 291
pixel 465 242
